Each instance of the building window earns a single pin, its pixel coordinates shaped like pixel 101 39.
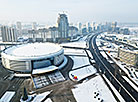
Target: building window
pixel 41 64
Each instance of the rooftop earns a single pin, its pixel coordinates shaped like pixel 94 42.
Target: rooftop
pixel 33 49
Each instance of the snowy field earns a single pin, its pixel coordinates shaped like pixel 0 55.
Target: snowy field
pixel 48 100
pixel 40 97
pixel 82 73
pixel 93 90
pixel 68 51
pixel 81 44
pixel 79 61
pixel 104 55
pixel 89 53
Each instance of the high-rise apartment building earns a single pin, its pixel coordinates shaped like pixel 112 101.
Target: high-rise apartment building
pixel 114 25
pixel 93 25
pixel 34 25
pixel 63 26
pixel 88 24
pixel 8 34
pixel 19 28
pixel 89 27
pixel 79 25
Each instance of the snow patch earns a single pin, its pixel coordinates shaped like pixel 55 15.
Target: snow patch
pixel 93 90
pixel 82 73
pixel 79 61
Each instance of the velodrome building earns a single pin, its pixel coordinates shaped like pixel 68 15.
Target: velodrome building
pixel 34 58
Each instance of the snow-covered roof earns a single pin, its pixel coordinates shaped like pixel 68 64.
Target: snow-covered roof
pixel 44 70
pixel 7 96
pixel 33 49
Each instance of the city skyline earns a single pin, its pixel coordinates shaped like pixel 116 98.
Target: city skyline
pixel 44 11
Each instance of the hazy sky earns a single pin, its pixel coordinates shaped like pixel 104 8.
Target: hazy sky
pixel 78 10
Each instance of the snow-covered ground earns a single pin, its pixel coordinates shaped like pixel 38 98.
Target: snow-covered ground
pixel 114 47
pixel 48 100
pixel 89 53
pixel 79 57
pixel 7 96
pixel 82 73
pixel 81 44
pixel 136 74
pixel 83 38
pixel 79 61
pixel 104 55
pixel 93 90
pixel 68 51
pixel 41 96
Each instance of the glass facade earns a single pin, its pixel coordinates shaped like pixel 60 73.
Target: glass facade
pixel 41 64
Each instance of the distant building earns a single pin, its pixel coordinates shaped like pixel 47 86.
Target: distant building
pixel 93 26
pixel 89 29
pixel 117 30
pixel 84 31
pixel 39 35
pixel 54 33
pixel 34 25
pixel 109 27
pixel 88 26
pixel 102 27
pixel 114 25
pixel 97 27
pixel 73 31
pixel 32 35
pixel 79 25
pixel 126 31
pixel 19 28
pixel 63 26
pixel 24 31
pixel 8 34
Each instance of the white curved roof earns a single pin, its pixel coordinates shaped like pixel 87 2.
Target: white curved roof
pixel 33 50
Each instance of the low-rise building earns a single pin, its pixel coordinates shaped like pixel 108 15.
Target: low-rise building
pixel 128 57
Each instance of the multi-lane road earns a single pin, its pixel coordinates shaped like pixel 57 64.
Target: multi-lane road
pixel 122 86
